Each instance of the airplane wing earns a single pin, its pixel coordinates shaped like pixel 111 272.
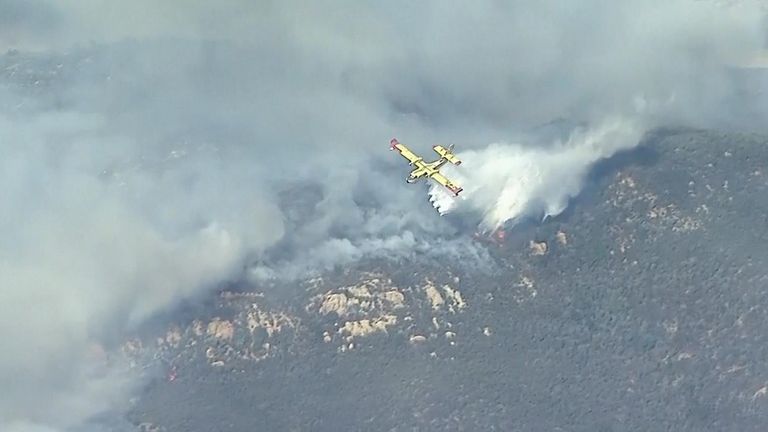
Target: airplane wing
pixel 447 154
pixel 404 151
pixel 443 180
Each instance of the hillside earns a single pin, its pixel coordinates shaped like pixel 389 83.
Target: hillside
pixel 640 309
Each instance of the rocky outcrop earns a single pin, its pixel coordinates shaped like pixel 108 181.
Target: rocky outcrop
pixel 252 332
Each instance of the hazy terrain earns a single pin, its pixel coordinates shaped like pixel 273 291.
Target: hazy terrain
pixel 644 313
pixel 202 228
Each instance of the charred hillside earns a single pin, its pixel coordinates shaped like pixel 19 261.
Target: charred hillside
pixel 642 308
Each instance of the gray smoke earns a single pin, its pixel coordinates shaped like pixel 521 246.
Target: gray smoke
pixel 153 150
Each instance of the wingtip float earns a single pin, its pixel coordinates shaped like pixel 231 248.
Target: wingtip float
pixel 429 169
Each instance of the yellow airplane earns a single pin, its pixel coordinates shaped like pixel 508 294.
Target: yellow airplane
pixel 429 169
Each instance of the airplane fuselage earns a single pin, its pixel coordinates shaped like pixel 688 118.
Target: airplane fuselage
pixel 425 169
pixel 428 170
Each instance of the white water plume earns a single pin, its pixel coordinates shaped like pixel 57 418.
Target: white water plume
pixel 505 182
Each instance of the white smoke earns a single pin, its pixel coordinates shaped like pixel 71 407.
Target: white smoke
pixel 86 255
pixel 142 170
pixel 345 251
pixel 505 182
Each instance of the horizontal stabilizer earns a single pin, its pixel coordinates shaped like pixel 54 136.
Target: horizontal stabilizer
pixel 447 154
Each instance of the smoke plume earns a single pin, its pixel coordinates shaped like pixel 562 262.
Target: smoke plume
pixel 153 150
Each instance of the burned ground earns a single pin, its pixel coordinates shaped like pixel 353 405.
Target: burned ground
pixel 642 309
